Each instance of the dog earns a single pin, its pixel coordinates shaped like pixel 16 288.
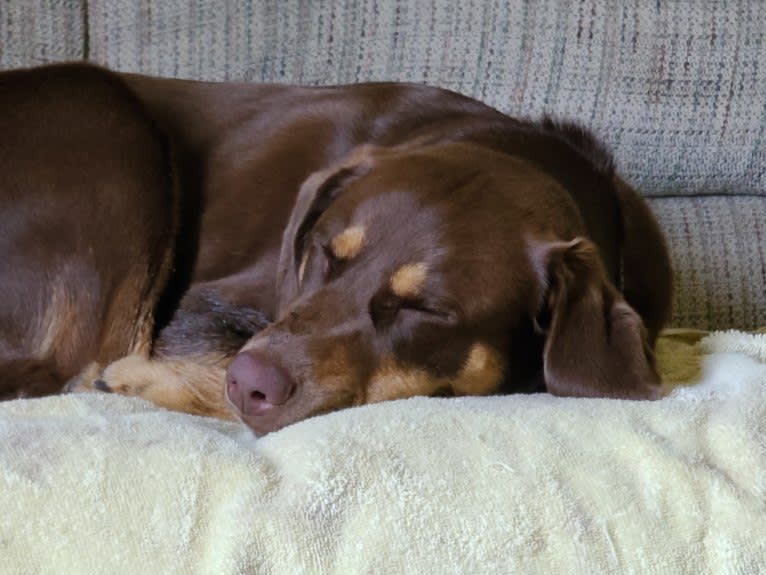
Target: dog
pixel 269 253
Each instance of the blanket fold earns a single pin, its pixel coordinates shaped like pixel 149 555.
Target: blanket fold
pixel 529 484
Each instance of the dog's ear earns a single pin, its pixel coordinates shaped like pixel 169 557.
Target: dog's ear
pixel 596 344
pixel 316 195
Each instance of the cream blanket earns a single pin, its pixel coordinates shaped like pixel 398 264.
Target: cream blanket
pixel 527 484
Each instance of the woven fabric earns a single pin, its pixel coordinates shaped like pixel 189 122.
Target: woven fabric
pixel 527 484
pixel 718 249
pixel 34 32
pixel 677 88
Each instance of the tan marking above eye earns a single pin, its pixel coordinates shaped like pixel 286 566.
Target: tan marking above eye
pixel 348 243
pixel 408 280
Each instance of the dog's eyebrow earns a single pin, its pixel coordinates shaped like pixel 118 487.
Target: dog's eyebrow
pixel 348 243
pixel 408 280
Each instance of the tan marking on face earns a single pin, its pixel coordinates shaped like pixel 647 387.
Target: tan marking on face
pixel 481 373
pixel 348 243
pixel 332 362
pixel 408 280
pixel 395 381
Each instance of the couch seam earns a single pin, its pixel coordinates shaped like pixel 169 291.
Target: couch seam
pixel 85 30
pixel 697 196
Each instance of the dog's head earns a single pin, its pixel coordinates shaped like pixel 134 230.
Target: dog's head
pixel 433 271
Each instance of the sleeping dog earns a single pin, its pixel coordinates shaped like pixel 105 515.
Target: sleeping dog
pixel 269 252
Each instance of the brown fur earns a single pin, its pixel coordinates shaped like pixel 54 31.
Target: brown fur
pixel 374 242
pixel 87 217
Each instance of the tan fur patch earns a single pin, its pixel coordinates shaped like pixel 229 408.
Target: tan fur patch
pixel 408 280
pixel 188 386
pixel 335 373
pixel 334 362
pixel 302 268
pixel 348 243
pixel 395 381
pixel 59 316
pixel 480 375
pixel 58 325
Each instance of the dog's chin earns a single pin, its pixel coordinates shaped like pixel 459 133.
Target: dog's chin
pixel 310 403
pixel 276 417
pixel 259 424
pixel 266 421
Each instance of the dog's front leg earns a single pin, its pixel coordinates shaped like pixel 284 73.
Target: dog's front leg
pixel 187 369
pixel 191 384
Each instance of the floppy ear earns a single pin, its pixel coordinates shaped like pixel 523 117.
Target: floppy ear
pixel 316 195
pixel 596 344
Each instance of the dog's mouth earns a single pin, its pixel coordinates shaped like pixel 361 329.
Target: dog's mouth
pixel 271 418
pixel 260 423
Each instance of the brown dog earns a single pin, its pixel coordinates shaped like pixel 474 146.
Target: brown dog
pixel 329 246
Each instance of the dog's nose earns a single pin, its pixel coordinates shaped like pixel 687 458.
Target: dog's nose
pixel 254 383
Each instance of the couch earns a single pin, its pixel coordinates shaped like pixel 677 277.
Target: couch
pixel 677 88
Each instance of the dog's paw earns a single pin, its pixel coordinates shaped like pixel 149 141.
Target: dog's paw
pixel 84 381
pixel 130 375
pixel 180 385
pixel 101 385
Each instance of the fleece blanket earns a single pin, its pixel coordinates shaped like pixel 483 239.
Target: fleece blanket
pixel 523 484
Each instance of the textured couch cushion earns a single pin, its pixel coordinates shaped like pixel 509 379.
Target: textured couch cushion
pixel 718 249
pixel 675 87
pixel 36 32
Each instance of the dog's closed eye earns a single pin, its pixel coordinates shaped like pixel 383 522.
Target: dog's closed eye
pixel 333 265
pixel 383 309
pixel 386 306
